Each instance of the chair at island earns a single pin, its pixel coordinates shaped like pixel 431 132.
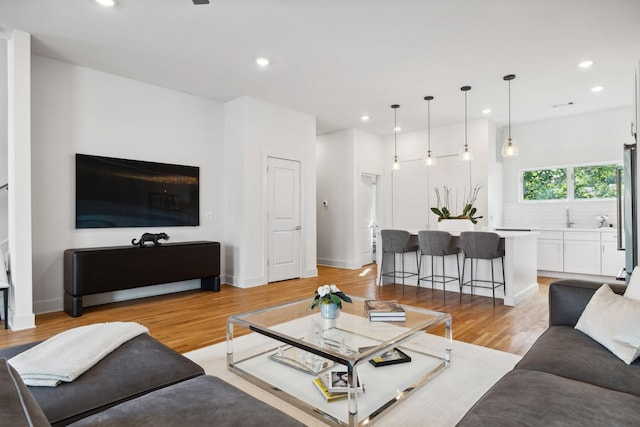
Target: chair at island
pixel 397 242
pixel 434 244
pixel 480 245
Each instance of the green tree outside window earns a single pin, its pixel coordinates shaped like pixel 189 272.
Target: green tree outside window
pixel 594 182
pixel 545 184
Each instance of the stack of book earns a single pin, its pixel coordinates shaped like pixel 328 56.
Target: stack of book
pixel 384 311
pixel 333 385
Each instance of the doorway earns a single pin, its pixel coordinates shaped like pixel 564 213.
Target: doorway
pixel 368 222
pixel 284 224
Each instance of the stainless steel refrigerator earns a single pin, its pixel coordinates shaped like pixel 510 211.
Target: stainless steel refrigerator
pixel 628 198
pixel 628 210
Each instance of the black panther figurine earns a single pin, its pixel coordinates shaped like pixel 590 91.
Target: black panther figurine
pixel 150 238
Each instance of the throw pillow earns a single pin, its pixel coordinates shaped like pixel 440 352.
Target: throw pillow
pixel 633 288
pixel 612 320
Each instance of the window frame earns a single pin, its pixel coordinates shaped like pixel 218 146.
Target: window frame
pixel 570 182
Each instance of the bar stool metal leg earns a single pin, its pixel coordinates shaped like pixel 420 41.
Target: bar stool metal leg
pixel 6 307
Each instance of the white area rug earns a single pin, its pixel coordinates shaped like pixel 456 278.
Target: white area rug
pixel 441 402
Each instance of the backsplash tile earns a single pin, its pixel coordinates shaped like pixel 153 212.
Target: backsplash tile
pixel 553 214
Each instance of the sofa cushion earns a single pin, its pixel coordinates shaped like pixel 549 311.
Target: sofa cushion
pixel 633 288
pixel 531 398
pixel 201 401
pixel 138 366
pixel 613 321
pixel 17 406
pixel 569 297
pixel 567 352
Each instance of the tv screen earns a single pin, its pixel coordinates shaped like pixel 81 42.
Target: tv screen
pixel 114 192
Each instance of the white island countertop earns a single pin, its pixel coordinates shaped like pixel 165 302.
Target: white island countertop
pixel 520 267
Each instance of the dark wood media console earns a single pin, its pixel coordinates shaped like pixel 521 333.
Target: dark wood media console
pixel 95 270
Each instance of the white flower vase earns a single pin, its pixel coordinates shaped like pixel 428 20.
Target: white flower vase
pixel 455 225
pixel 329 311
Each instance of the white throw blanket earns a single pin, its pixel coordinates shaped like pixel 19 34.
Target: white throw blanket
pixel 66 356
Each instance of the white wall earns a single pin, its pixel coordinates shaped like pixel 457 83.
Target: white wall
pixel 581 139
pixel 368 158
pixel 256 130
pixel 79 110
pixel 407 205
pixel 334 157
pixel 341 159
pixel 20 181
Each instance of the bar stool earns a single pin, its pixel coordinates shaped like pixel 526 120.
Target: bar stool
pixel 482 245
pixel 438 244
pixel 397 242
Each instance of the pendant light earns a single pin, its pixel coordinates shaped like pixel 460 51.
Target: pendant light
pixel 429 160
pixel 465 153
pixel 396 162
pixel 509 148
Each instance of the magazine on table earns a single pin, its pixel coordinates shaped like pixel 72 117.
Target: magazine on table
pixel 329 396
pixel 379 308
pixel 391 357
pixel 336 380
pixel 387 318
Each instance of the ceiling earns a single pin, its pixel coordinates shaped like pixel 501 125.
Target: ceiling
pixel 340 59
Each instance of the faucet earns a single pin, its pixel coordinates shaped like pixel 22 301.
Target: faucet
pixel 602 219
pixel 568 223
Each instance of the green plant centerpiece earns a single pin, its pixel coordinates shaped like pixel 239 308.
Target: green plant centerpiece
pixel 445 205
pixel 327 294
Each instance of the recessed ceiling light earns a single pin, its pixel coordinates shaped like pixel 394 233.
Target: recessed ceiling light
pixel 364 118
pixel 486 111
pixel 106 3
pixel 397 128
pixel 263 62
pixel 585 64
pixel 597 89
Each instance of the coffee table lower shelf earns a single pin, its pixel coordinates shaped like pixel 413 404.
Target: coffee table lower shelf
pixel 384 386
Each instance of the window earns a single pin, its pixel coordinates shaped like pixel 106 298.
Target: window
pixel 544 184
pixel 594 182
pixel 571 182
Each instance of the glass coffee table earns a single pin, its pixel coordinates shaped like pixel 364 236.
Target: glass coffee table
pixel 293 348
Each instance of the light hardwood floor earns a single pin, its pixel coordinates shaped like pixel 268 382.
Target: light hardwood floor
pixel 189 320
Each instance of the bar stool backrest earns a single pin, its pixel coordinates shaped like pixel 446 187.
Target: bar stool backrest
pixel 434 242
pixel 481 245
pixel 395 241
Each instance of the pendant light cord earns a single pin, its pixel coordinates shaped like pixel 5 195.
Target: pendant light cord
pixel 395 132
pixel 509 111
pixel 466 146
pixel 429 124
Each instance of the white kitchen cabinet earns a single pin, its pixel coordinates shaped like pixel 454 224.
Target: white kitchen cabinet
pixel 582 252
pixel 550 251
pixel 612 259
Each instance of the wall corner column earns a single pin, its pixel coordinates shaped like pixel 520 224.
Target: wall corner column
pixel 21 314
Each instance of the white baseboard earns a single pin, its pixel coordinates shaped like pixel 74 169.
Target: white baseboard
pixel 311 272
pixel 591 277
pixel 25 321
pixel 350 265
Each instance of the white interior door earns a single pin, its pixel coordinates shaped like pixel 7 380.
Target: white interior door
pixel 366 221
pixel 284 223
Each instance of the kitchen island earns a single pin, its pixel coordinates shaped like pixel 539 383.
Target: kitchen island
pixel 520 268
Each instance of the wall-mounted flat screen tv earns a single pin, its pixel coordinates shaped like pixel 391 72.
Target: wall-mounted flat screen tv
pixel 114 192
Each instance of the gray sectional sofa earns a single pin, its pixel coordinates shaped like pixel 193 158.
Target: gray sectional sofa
pixel 566 378
pixel 142 382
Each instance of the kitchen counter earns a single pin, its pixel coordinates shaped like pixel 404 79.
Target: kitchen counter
pixel 598 229
pixel 520 267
